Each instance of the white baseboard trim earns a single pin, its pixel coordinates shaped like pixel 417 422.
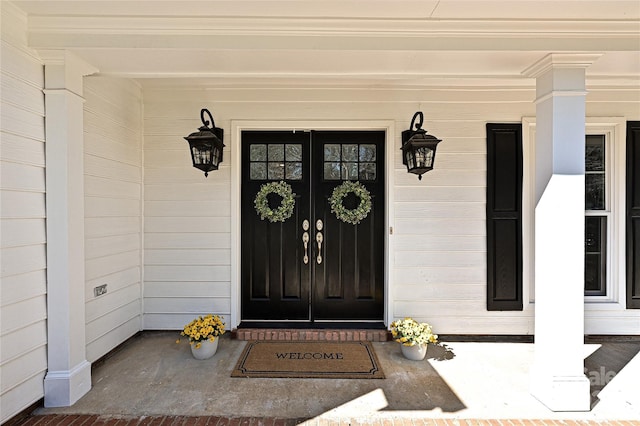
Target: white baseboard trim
pixel 64 387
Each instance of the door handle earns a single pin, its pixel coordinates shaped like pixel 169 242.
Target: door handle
pixel 319 241
pixel 305 241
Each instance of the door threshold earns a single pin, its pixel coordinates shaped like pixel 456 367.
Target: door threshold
pixel 315 325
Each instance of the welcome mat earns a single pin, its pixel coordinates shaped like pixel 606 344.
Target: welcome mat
pixel 325 360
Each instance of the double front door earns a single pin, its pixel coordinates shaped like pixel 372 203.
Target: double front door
pixel 309 264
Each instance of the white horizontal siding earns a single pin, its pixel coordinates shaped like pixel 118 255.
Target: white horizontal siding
pixel 439 230
pixel 19 205
pixel 441 219
pixel 23 310
pixel 113 211
pixel 187 227
pixel 116 281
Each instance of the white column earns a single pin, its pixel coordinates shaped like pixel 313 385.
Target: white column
pixel 557 374
pixel 69 374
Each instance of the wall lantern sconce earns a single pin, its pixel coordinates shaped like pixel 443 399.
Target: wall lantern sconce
pixel 206 145
pixel 418 148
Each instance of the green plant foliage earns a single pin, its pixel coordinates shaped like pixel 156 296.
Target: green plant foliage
pixel 284 211
pixel 352 216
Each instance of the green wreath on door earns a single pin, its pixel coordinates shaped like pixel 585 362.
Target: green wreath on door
pixel 286 207
pixel 352 216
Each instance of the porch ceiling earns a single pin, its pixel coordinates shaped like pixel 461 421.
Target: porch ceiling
pixel 348 42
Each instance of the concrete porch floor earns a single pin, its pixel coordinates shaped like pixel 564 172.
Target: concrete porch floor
pixel 151 375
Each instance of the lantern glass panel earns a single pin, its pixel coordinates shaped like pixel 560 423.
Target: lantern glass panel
pixel 424 157
pixel 201 155
pixel 217 154
pixel 411 163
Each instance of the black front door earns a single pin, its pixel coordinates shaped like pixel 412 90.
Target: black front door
pixel 311 265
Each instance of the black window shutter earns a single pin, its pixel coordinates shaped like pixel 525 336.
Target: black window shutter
pixel 633 214
pixel 504 217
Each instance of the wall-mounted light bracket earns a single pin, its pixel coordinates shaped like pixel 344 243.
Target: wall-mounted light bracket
pixel 206 145
pixel 418 148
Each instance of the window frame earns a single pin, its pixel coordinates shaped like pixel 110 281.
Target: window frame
pixel 607 212
pixel 614 130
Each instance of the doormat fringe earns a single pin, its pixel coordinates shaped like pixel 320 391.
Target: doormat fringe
pixel 301 359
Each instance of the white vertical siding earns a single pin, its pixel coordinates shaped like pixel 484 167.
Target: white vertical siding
pixel 113 211
pixel 23 311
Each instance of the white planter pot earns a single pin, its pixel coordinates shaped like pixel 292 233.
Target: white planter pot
pixel 415 352
pixel 206 350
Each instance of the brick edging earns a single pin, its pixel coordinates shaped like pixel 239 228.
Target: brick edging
pixel 311 335
pixel 97 420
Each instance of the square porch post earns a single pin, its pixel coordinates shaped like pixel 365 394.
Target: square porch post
pixel 557 374
pixel 69 373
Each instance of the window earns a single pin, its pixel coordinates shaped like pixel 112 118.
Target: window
pixel 605 214
pixel 350 162
pixel 275 161
pixel 597 216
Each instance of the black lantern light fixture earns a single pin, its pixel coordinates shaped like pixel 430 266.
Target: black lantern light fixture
pixel 206 145
pixel 418 148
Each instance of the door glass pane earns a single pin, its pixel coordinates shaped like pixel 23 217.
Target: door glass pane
pixel 332 152
pixel 294 152
pixel 332 171
pixel 276 152
pixel 367 152
pixel 258 152
pixel 350 171
pixel 276 170
pixel 349 152
pixel 293 171
pixel 258 171
pixel 367 171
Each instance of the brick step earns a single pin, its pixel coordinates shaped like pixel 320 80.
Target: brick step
pixel 285 334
